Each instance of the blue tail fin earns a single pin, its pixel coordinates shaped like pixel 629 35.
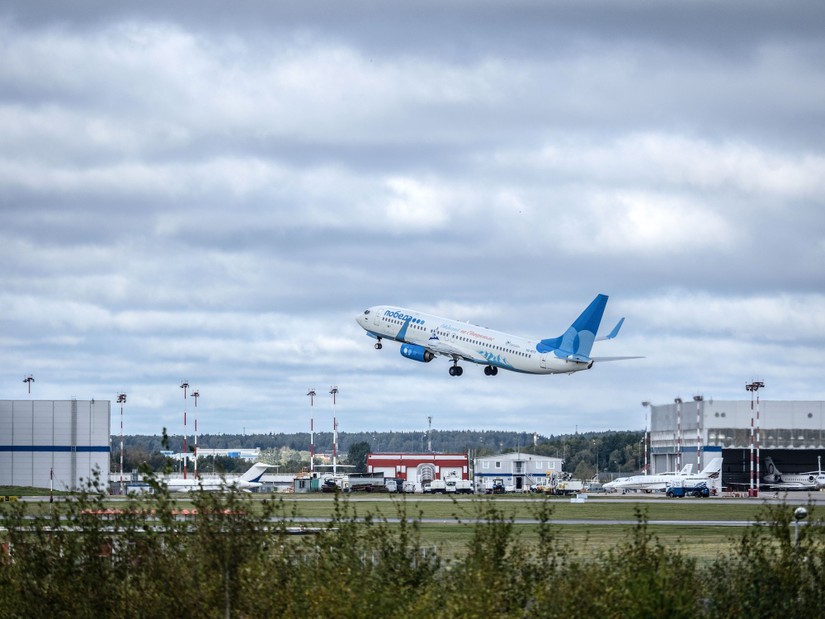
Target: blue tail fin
pixel 578 340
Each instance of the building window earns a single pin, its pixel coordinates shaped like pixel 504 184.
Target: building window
pixel 498 465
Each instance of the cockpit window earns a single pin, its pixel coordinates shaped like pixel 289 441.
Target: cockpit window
pixel 366 312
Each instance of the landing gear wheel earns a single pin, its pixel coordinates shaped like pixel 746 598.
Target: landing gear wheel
pixel 378 345
pixel 456 370
pixel 490 370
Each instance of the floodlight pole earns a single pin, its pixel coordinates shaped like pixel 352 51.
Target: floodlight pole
pixel 334 392
pixel 700 402
pixel 754 387
pixel 311 394
pixel 678 433
pixel 196 394
pixel 121 399
pixel 646 405
pixel 184 385
pixel 29 380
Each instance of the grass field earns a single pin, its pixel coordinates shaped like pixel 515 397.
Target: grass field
pixel 585 528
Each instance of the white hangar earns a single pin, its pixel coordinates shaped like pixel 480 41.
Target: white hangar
pixel 54 443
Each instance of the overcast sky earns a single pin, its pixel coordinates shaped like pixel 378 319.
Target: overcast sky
pixel 212 191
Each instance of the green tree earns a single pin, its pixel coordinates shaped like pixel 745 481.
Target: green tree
pixel 357 456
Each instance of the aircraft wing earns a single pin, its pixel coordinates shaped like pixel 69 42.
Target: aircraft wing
pixel 788 485
pixel 439 347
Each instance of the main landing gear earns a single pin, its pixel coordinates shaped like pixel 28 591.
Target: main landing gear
pixel 455 369
pixel 378 344
pixel 490 370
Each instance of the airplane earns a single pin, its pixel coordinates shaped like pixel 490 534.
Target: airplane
pixel 777 480
pixel 711 474
pixel 658 481
pixel 424 336
pixel 248 481
pixel 612 486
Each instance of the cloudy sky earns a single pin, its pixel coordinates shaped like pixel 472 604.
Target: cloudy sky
pixel 212 191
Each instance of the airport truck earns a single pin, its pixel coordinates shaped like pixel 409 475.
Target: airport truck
pixel 459 486
pixel 569 486
pixel 677 489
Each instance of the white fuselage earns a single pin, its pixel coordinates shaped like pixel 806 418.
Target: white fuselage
pixel 464 340
pixel 209 485
pixel 814 480
pixel 647 482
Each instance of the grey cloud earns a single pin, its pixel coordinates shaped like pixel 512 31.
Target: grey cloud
pixel 191 192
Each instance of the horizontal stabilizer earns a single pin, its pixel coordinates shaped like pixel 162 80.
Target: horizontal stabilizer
pixel 602 359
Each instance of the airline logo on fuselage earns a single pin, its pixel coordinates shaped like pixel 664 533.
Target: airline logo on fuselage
pixel 400 316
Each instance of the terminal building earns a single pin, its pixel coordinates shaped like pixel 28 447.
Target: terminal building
pixel 57 444
pixel 791 433
pixel 516 470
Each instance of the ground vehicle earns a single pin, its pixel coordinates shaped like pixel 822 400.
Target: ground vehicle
pixel 569 486
pixel 679 490
pixel 460 486
pixel 436 486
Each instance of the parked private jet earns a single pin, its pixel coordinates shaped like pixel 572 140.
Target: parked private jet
pixel 648 483
pixel 777 480
pixel 424 336
pixel 246 482
pixel 661 481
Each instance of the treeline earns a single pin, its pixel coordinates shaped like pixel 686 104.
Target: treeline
pixel 395 442
pixel 233 556
pixel 615 451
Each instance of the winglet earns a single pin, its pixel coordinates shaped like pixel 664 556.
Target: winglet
pixel 614 332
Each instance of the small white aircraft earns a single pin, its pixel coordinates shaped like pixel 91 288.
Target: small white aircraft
pixel 658 481
pixel 424 336
pixel 246 482
pixel 661 481
pixel 612 486
pixel 777 480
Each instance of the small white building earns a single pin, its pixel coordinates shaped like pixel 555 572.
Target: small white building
pixel 518 470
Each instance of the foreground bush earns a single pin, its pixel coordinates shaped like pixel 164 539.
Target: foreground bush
pixel 238 557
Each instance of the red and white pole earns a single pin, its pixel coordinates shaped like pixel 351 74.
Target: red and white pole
pixel 334 392
pixel 196 446
pixel 699 404
pixel 184 385
pixel 121 399
pixel 311 445
pixel 752 471
pixel 678 433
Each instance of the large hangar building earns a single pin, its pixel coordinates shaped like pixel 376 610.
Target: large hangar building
pixel 54 443
pixel 791 433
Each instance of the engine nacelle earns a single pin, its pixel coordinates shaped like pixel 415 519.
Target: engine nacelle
pixel 416 353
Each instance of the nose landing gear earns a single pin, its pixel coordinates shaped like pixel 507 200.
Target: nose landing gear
pixel 378 344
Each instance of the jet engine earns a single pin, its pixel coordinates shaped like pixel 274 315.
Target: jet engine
pixel 416 353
